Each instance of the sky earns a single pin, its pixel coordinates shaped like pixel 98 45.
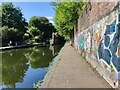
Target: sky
pixel 30 9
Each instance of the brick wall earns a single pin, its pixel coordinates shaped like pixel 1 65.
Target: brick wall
pixel 94 12
pixel 97 37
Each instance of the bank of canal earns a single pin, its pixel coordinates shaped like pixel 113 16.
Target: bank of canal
pixel 21 68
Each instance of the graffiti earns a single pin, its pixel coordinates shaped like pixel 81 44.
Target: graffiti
pixel 81 42
pixel 101 42
pixel 110 18
pixel 88 42
pixel 107 50
pixel 119 50
pixel 98 35
pixel 76 41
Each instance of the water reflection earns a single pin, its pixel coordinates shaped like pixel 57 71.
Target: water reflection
pixel 40 57
pixel 14 67
pixel 23 67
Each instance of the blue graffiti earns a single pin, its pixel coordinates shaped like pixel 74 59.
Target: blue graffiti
pixel 107 41
pixel 108 50
pixel 106 55
pixel 110 29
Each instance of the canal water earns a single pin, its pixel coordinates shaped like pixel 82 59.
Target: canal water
pixel 21 68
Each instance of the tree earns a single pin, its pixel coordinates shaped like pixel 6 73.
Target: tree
pixel 26 36
pixel 9 34
pixel 43 25
pixel 0 16
pixel 66 17
pixel 0 26
pixel 34 31
pixel 34 22
pixel 13 18
pixel 34 34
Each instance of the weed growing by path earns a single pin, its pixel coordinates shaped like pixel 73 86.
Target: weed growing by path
pixel 38 84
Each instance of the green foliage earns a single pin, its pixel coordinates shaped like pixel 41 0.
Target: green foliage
pixel 38 39
pixel 12 34
pixel 4 31
pixel 34 21
pixel 9 33
pixel 0 16
pixel 13 18
pixel 38 84
pixel 66 17
pixel 34 31
pixel 41 23
pixel 26 36
pixel 13 23
pixel 33 35
pixel 43 26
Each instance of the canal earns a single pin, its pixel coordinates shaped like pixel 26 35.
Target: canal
pixel 21 68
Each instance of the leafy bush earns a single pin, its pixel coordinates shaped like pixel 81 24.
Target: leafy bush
pixel 34 31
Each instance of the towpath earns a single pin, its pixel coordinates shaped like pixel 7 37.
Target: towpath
pixel 72 71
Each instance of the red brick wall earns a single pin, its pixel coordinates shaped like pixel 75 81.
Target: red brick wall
pixel 94 11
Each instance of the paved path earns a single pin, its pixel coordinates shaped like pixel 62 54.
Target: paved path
pixel 71 71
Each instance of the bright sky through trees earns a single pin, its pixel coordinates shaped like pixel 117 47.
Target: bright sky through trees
pixel 30 9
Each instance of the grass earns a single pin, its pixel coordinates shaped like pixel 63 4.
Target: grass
pixel 38 84
pixel 93 68
pixel 59 59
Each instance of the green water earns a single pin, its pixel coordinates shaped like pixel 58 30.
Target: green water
pixel 21 68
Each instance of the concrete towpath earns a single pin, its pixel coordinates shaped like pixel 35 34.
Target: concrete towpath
pixel 72 71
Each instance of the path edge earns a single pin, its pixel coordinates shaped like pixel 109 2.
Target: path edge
pixel 51 70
